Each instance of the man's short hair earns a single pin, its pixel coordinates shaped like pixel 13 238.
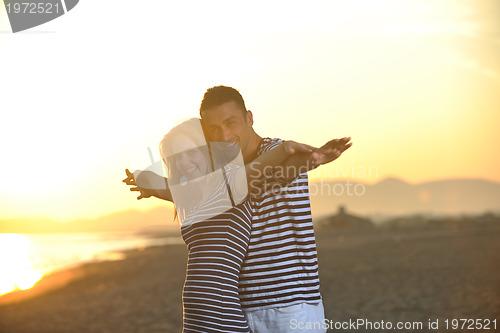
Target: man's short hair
pixel 219 95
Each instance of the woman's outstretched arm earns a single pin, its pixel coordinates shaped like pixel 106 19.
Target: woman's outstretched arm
pixel 149 184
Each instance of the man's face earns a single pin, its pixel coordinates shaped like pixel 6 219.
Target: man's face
pixel 227 123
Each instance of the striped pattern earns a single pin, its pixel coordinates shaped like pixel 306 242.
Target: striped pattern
pixel 217 247
pixel 281 266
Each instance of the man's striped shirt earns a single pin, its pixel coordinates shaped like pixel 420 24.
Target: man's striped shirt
pixel 281 266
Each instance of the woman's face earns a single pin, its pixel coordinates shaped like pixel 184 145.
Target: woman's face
pixel 189 158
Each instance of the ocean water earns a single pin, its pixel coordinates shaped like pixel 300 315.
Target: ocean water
pixel 25 258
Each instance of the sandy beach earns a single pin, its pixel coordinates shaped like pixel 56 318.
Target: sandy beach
pixel 394 275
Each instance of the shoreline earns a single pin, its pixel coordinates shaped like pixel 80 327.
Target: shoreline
pixel 60 278
pixel 58 271
pixel 411 274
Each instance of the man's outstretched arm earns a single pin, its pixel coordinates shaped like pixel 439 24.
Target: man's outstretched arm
pixel 301 162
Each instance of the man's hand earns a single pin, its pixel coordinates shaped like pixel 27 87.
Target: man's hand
pixel 330 151
pixel 147 183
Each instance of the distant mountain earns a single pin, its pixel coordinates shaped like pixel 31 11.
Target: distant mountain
pixel 160 218
pixel 393 196
pixel 390 197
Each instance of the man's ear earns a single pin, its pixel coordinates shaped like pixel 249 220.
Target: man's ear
pixel 249 118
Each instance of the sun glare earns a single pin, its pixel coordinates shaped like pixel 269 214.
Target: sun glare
pixel 17 267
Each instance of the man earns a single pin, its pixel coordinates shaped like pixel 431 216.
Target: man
pixel 279 283
pixel 279 278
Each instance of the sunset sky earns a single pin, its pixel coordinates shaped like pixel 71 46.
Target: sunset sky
pixel 416 84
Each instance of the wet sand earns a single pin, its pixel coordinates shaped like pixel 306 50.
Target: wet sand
pixel 376 274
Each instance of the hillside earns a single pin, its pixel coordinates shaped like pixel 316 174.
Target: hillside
pixel 387 198
pixel 393 196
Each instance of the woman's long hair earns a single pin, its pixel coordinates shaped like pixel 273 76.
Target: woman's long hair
pixel 210 193
pixel 192 129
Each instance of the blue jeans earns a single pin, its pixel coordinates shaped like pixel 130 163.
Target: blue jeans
pixel 303 317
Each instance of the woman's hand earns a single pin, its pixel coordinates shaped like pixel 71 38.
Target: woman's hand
pixel 146 183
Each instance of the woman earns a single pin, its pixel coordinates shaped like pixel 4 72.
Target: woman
pixel 214 213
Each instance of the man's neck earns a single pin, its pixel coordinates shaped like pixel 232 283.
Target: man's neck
pixel 252 149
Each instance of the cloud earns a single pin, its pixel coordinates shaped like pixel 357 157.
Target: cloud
pixel 458 60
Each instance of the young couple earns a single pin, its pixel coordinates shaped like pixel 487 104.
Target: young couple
pixel 243 204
